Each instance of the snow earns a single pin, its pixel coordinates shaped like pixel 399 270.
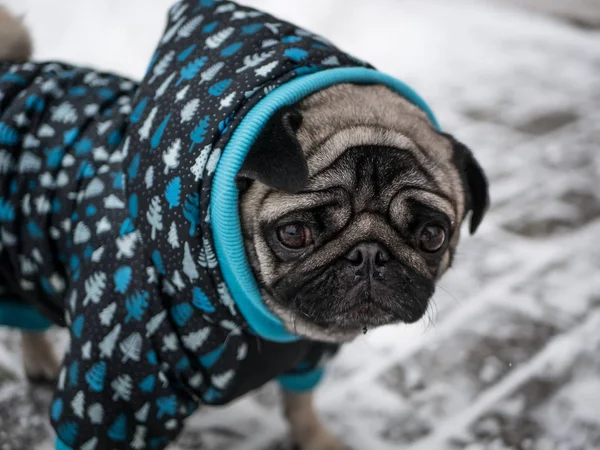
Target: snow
pixel 509 355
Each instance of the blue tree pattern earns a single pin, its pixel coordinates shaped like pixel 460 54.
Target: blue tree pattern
pixel 36 103
pixel 54 157
pixel 77 326
pixel 95 376
pixel 173 192
pixel 67 432
pixel 56 409
pixel 191 70
pixel 8 135
pixel 250 29
pixel 122 278
pixel 118 430
pixel 139 110
pixel 198 134
pixel 133 207
pixel 217 89
pixel 211 27
pixel 7 211
pixel 191 211
pixel 296 54
pixel 136 306
pixel 134 166
pixel 74 374
pixel 232 49
pixel 147 384
pixel 166 406
pixel 201 301
pixel 182 313
pixel 187 52
pixel 155 142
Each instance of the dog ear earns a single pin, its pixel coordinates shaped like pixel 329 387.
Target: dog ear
pixel 474 180
pixel 276 158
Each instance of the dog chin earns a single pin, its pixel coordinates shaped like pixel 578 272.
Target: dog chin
pixel 367 312
pixel 360 314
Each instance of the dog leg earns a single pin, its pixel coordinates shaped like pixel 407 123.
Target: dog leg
pixel 39 357
pixel 307 430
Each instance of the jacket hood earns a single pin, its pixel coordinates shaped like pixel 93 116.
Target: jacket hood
pixel 220 71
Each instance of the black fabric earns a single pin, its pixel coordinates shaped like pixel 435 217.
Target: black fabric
pixel 105 225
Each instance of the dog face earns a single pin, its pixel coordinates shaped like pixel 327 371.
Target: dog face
pixel 355 210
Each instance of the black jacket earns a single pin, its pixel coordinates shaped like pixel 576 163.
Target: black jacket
pixel 119 219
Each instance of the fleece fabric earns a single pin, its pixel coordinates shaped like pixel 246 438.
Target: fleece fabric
pixel 119 220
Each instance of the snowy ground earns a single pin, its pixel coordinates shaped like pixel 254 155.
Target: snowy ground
pixel 512 360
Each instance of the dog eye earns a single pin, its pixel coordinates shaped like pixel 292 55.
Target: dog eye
pixel 432 238
pixel 295 235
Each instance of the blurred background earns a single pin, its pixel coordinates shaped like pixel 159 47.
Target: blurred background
pixel 509 356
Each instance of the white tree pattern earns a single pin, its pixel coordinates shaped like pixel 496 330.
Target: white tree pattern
pixel 171 156
pixel 154 216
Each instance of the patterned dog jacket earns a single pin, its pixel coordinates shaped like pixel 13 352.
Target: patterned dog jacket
pixel 119 220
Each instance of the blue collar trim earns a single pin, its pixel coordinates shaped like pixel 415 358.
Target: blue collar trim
pixel 225 196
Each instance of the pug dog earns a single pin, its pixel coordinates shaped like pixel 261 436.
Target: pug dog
pixel 359 239
pixel 351 232
pixel 360 236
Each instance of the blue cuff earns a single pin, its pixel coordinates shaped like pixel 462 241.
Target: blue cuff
pixel 24 317
pixel 60 445
pixel 301 382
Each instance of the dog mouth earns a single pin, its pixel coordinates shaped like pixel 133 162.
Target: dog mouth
pixel 366 305
pixel 336 301
pixel 363 296
pixel 363 315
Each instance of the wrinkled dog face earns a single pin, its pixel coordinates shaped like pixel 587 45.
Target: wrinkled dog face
pixel 360 246
pixel 358 236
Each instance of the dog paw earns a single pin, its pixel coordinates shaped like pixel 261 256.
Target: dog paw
pixel 321 440
pixel 40 362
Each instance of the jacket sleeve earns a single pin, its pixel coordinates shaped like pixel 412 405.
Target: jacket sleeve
pixel 309 372
pixel 114 391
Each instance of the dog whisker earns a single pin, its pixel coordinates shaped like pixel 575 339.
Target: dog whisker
pixel 452 296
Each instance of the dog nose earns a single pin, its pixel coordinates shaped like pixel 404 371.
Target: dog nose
pixel 368 255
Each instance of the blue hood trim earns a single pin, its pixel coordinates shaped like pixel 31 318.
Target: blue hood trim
pixel 225 196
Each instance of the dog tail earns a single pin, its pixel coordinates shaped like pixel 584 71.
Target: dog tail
pixel 15 40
